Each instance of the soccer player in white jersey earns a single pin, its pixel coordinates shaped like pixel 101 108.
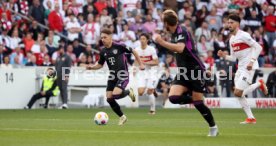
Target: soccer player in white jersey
pixel 147 80
pixel 247 51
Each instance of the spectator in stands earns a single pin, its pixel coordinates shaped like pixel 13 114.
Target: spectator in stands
pixel 16 62
pixel 3 52
pixel 91 32
pixel 201 15
pixel 63 65
pixel 46 61
pixel 253 21
pixel 89 9
pixel 88 52
pixel 164 84
pixel 36 12
pixel 149 26
pixel 111 10
pixel 4 10
pixel 270 25
pixel 73 28
pixel 6 63
pixel 105 19
pixel 226 70
pixel 70 53
pixel 48 9
pixel 221 6
pixel 128 5
pixel 127 36
pixel 5 39
pixel 55 19
pixel 271 84
pixel 48 88
pixel 83 61
pixel 203 46
pixel 78 49
pixel 100 5
pixel 15 39
pixel 182 11
pixel 203 30
pixel 219 44
pixel 138 10
pixel 211 84
pixel 170 61
pixel 17 53
pixel 261 40
pixel 32 61
pixel 214 20
pixel 28 42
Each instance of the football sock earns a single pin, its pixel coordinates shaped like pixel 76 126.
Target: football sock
pixel 245 107
pixel 115 106
pixel 205 112
pixel 251 88
pixel 152 102
pixel 125 93
pixel 184 99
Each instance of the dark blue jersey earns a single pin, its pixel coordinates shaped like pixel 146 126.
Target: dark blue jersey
pixel 189 57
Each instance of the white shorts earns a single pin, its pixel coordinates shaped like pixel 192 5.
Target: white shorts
pixel 243 79
pixel 146 81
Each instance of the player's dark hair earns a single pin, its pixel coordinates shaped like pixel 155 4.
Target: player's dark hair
pixel 145 35
pixel 106 31
pixel 170 17
pixel 235 17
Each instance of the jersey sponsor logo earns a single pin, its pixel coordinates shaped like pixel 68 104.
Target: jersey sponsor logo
pixel 115 51
pixel 239 46
pixel 146 58
pixel 179 37
pixel 111 60
pixel 244 78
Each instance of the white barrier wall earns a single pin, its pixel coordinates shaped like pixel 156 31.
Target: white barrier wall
pixel 16 87
pixel 230 103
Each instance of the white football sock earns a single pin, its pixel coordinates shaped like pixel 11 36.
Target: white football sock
pixel 251 88
pixel 246 107
pixel 152 102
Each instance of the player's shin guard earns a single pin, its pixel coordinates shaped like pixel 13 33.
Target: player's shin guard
pixel 184 99
pixel 124 93
pixel 246 107
pixel 205 112
pixel 115 106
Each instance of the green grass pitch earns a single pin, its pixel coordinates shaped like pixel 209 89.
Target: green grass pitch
pixel 172 127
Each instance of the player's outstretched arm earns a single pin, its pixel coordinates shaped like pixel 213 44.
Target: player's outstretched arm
pixel 137 58
pixel 178 47
pixel 94 67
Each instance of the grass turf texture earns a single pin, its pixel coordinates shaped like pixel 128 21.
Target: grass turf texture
pixel 74 127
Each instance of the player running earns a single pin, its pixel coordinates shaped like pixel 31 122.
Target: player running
pixel 246 50
pixel 189 65
pixel 146 78
pixel 114 55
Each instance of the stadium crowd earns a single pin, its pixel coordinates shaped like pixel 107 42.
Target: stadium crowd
pixel 25 42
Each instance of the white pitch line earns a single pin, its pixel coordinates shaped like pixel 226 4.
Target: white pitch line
pixel 128 132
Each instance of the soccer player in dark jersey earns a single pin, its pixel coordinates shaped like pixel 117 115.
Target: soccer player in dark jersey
pixel 190 77
pixel 114 55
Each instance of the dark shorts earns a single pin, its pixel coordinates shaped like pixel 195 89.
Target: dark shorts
pixel 197 85
pixel 111 84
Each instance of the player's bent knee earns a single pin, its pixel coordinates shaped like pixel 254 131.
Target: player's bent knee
pixel 174 99
pixel 238 93
pixel 150 91
pixel 109 99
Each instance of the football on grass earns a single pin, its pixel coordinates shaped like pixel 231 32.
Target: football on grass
pixel 101 118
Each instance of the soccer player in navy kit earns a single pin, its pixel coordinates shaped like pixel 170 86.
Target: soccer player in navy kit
pixel 190 76
pixel 114 55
